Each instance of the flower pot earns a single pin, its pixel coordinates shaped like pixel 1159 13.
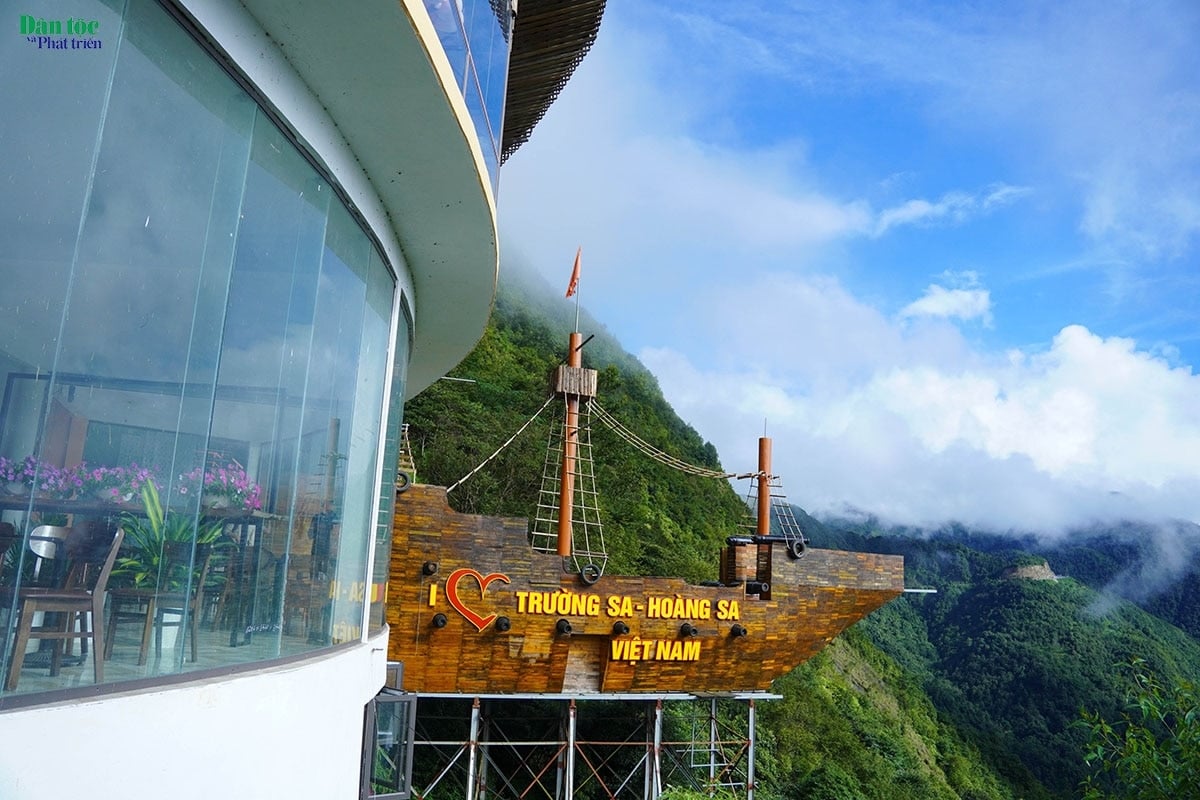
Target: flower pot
pixel 16 488
pixel 215 502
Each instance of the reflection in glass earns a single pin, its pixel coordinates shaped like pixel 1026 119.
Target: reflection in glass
pixel 475 35
pixel 193 345
pixel 389 468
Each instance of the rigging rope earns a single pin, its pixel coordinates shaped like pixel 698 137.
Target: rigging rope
pixel 520 430
pixel 658 455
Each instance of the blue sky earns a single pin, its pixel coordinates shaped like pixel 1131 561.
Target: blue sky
pixel 948 254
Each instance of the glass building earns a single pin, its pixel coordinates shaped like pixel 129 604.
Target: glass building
pixel 235 238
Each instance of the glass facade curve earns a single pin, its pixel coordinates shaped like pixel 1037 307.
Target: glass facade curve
pixel 196 342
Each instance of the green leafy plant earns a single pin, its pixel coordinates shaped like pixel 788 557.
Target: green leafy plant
pixel 1153 751
pixel 145 560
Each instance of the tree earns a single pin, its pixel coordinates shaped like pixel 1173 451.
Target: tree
pixel 1153 751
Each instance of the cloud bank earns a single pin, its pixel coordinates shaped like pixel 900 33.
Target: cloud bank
pixel 927 430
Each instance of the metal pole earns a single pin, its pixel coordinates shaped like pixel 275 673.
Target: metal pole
pixel 648 771
pixel 656 787
pixel 473 749
pixel 712 747
pixel 560 763
pixel 484 738
pixel 571 751
pixel 750 754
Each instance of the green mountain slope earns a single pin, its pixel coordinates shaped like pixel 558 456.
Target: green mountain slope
pixel 656 520
pixel 1012 661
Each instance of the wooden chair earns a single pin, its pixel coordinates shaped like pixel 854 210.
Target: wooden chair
pixel 90 549
pixel 150 606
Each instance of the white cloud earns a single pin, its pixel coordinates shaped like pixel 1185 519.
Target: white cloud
pixel 955 207
pixel 938 301
pixel 1089 428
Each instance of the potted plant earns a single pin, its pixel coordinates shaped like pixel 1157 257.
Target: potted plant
pixel 16 477
pixel 31 474
pixel 110 484
pixel 223 486
pixel 145 559
pixel 159 571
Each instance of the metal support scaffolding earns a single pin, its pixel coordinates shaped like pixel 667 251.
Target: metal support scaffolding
pixel 751 737
pixel 558 747
pixel 653 782
pixel 473 756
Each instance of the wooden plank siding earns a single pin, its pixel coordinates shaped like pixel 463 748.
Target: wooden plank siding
pixel 811 600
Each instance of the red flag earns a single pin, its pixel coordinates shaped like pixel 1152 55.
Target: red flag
pixel 573 286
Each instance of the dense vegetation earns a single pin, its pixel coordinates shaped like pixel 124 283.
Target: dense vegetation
pixel 1153 751
pixel 1013 661
pixel 656 521
pixel 974 692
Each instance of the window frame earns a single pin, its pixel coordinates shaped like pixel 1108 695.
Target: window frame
pixel 389 697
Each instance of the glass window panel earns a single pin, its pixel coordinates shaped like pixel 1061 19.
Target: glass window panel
pixel 330 404
pixel 388 748
pixel 136 374
pixel 447 21
pixel 487 144
pixel 50 136
pixel 488 36
pixel 370 402
pixel 195 305
pixel 264 361
pixel 389 466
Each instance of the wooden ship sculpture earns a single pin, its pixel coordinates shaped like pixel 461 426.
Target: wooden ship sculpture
pixel 488 605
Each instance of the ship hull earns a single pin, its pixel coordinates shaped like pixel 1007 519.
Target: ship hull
pixel 473 609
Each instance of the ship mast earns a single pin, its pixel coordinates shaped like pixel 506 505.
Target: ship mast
pixel 566 498
pixel 763 526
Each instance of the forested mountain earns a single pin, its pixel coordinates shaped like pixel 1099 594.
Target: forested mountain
pixel 656 521
pixel 973 692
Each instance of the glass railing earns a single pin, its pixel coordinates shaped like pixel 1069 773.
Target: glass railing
pixel 476 37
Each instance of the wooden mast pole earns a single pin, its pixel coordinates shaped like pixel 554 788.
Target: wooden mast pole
pixel 764 487
pixel 566 496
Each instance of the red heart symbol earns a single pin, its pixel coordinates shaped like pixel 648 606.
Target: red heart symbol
pixel 480 622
